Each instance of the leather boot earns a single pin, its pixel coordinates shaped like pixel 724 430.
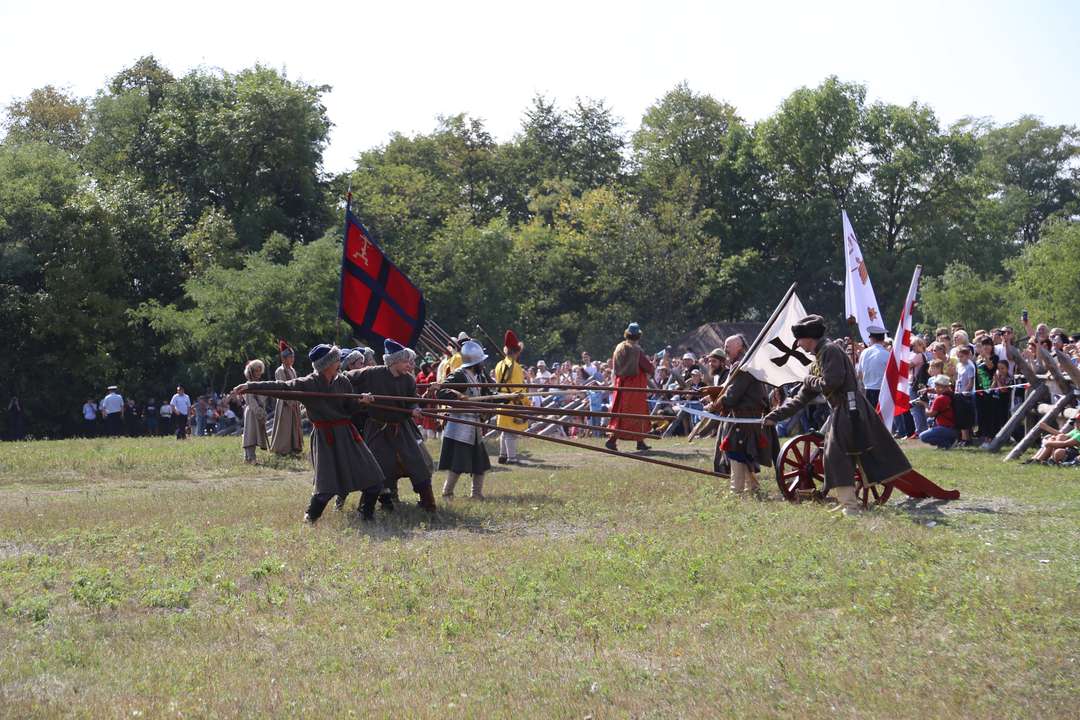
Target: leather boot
pixel 477 487
pixel 367 505
pixel 451 482
pixel 427 499
pixel 738 477
pixel 849 502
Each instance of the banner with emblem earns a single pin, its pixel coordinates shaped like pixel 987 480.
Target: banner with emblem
pixel 860 304
pixel 773 358
pixel 376 298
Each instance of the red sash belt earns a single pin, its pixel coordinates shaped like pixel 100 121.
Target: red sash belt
pixel 328 434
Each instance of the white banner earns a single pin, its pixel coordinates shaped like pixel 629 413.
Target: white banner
pixel 859 300
pixel 776 360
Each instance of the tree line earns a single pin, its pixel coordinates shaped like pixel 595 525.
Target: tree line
pixel 170 227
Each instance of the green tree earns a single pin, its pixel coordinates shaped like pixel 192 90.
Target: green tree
pixel 50 116
pixel 962 295
pixel 1046 276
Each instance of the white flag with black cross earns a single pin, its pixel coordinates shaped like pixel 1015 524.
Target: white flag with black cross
pixel 774 358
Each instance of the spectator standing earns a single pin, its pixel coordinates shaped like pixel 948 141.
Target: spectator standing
pixel 132 419
pixel 987 406
pixel 90 416
pixel 112 409
pixel 150 416
pixel 165 418
pixel 181 409
pixel 16 419
pixel 872 363
pixel 201 409
pixel 964 395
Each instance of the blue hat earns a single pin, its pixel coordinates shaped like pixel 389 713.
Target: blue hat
pixel 395 352
pixel 323 356
pixel 633 330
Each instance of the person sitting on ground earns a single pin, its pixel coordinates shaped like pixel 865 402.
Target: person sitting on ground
pixel 943 433
pixel 1059 446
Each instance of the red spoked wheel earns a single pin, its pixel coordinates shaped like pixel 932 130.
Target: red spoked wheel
pixel 800 473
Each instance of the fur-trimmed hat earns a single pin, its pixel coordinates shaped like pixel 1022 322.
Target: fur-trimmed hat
pixel 323 356
pixel 633 331
pixel 511 344
pixel 253 368
pixel 284 349
pixel 811 326
pixel 349 356
pixel 395 352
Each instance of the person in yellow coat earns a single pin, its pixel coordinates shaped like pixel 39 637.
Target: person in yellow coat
pixel 508 371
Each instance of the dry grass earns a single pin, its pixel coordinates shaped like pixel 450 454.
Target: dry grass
pixel 179 582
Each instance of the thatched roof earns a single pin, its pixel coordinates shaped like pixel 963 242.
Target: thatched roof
pixel 711 335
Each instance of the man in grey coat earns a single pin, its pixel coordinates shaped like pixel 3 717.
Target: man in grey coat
pixel 854 433
pixel 392 435
pixel 342 462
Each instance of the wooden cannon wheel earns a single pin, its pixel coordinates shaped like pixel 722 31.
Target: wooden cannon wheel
pixel 800 473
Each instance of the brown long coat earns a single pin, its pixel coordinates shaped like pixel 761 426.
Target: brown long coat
pixel 746 396
pixel 342 462
pixel 869 443
pixel 392 436
pixel 287 437
pixel 254 421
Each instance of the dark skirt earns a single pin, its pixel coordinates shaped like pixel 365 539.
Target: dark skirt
pixel 462 457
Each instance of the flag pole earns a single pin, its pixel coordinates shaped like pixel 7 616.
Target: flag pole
pixel 344 249
pixel 772 319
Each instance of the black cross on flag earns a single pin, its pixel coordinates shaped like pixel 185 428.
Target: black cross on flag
pixel 776 359
pixel 788 353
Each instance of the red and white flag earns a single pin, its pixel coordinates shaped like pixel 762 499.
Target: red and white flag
pixel 860 304
pixel 894 398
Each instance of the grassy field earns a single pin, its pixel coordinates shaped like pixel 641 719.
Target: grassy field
pixel 151 578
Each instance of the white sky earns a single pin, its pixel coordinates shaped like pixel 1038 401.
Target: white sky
pixel 396 66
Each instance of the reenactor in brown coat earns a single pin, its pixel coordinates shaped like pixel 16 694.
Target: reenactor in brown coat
pixel 748 447
pixel 854 434
pixel 342 461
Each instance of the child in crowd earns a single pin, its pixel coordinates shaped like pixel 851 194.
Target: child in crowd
pixel 943 434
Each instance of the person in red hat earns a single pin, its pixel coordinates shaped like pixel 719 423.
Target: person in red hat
pixel 287 438
pixel 508 371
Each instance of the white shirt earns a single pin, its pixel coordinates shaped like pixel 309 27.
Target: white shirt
pixel 181 403
pixel 872 364
pixel 112 403
pixel 89 411
pixel 165 410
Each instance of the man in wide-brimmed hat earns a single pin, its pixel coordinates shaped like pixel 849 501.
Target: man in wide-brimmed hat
pixel 854 434
pixel 463 448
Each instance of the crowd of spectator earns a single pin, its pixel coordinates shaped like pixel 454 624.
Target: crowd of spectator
pixel 180 416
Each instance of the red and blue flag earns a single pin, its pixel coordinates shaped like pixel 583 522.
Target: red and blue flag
pixel 377 299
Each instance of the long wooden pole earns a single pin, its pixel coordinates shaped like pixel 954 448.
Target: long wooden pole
pixel 460 405
pixel 567 423
pixel 571 443
pixel 580 388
